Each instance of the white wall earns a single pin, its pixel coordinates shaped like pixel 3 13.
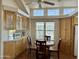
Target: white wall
pixel 0 29
pixel 76 41
pixel 71 3
pixel 27 8
pixel 61 3
pixel 22 13
pixel 45 20
pixel 10 3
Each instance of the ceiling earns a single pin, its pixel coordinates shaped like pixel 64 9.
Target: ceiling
pixel 58 3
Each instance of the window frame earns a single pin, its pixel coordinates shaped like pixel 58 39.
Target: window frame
pixel 46 30
pixel 69 8
pixel 61 11
pixel 38 9
pixel 53 9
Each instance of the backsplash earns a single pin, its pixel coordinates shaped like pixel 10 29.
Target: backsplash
pixel 16 34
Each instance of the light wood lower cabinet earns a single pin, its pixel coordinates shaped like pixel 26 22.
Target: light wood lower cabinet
pixel 9 50
pixel 14 48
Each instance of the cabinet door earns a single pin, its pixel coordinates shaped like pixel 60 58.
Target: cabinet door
pixel 9 50
pixel 25 23
pixel 10 20
pixel 24 43
pixel 19 23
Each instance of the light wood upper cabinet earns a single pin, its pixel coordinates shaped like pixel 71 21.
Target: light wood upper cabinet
pixel 19 23
pixel 24 23
pixel 9 20
pixel 13 21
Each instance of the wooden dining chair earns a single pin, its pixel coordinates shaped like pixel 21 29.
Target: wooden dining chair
pixel 47 38
pixel 59 47
pixel 42 51
pixel 29 44
pixel 56 50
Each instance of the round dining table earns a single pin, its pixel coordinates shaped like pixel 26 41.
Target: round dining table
pixel 48 43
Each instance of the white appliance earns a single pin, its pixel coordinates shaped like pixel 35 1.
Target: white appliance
pixel 76 41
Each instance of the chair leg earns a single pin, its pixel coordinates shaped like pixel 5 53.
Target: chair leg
pixel 58 54
pixel 30 50
pixel 37 56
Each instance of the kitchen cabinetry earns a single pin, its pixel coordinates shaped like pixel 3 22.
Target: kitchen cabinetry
pixel 25 23
pixel 13 21
pixel 9 50
pixel 22 22
pixel 9 20
pixel 14 48
pixel 19 23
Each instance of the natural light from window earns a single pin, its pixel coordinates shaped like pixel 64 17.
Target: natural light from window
pixel 68 11
pixel 45 29
pixel 39 12
pixel 53 12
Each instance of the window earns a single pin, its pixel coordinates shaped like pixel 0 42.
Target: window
pixel 45 28
pixel 68 10
pixel 50 29
pixel 11 32
pixel 39 12
pixel 40 30
pixel 53 12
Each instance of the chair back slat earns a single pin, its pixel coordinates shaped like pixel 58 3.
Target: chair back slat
pixel 47 38
pixel 42 49
pixel 41 46
pixel 29 41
